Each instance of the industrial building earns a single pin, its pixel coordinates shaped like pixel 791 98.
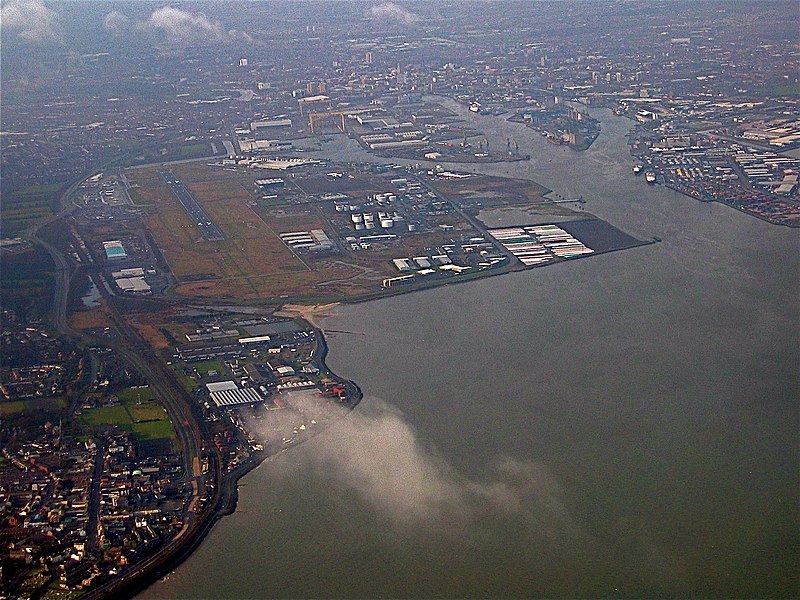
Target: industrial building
pixel 315 240
pixel 227 393
pixel 270 124
pixel 115 250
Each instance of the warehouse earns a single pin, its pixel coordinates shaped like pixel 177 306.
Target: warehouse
pixel 115 250
pixel 227 393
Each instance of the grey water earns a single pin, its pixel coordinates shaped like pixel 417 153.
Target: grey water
pixel 624 425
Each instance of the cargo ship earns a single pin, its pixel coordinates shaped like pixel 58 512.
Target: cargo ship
pixel 650 177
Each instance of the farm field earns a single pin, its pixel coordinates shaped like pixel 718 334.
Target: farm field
pixel 22 208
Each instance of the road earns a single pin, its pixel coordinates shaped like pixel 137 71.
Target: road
pixel 513 260
pixel 190 428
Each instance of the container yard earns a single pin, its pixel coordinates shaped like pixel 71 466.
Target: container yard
pixel 537 245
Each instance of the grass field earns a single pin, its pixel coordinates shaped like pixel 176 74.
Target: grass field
pixel 24 207
pixel 504 191
pixel 35 407
pixel 8 409
pixel 26 281
pixel 146 421
pixel 205 366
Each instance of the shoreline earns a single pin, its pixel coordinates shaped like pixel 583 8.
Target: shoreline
pixel 763 218
pixel 179 550
pixel 228 502
pixel 313 313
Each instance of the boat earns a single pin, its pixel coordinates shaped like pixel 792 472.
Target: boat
pixel 650 177
pixel 637 169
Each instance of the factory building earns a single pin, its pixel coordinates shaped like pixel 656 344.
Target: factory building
pixel 115 250
pixel 270 124
pixel 227 393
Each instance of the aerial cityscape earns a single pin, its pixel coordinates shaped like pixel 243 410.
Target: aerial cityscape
pixel 418 299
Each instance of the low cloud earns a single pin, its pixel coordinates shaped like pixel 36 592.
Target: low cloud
pixel 32 21
pixel 116 22
pixel 181 25
pixel 377 454
pixel 389 11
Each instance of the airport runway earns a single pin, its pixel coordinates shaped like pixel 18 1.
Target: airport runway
pixel 199 216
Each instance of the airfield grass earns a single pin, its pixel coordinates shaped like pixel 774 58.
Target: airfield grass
pixel 253 263
pixel 251 248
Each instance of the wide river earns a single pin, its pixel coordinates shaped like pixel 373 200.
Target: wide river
pixel 621 425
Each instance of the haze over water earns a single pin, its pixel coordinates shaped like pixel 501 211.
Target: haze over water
pixel 620 425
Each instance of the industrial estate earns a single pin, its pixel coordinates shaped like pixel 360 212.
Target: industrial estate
pixel 175 221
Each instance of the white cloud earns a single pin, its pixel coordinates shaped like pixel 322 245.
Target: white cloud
pixel 31 19
pixel 389 11
pixel 376 453
pixel 116 21
pixel 181 25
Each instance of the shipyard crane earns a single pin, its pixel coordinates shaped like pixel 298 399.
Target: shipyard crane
pixel 313 117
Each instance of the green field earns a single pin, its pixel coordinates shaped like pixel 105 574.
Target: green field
pixel 205 366
pixel 37 407
pixel 139 413
pixel 142 394
pixel 24 207
pixel 107 415
pixel 26 281
pixel 11 408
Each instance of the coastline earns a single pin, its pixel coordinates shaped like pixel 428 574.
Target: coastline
pixel 178 550
pixel 310 313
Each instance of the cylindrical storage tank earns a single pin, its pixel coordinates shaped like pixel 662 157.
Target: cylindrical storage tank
pixel 387 223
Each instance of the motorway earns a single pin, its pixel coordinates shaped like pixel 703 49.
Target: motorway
pixel 197 213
